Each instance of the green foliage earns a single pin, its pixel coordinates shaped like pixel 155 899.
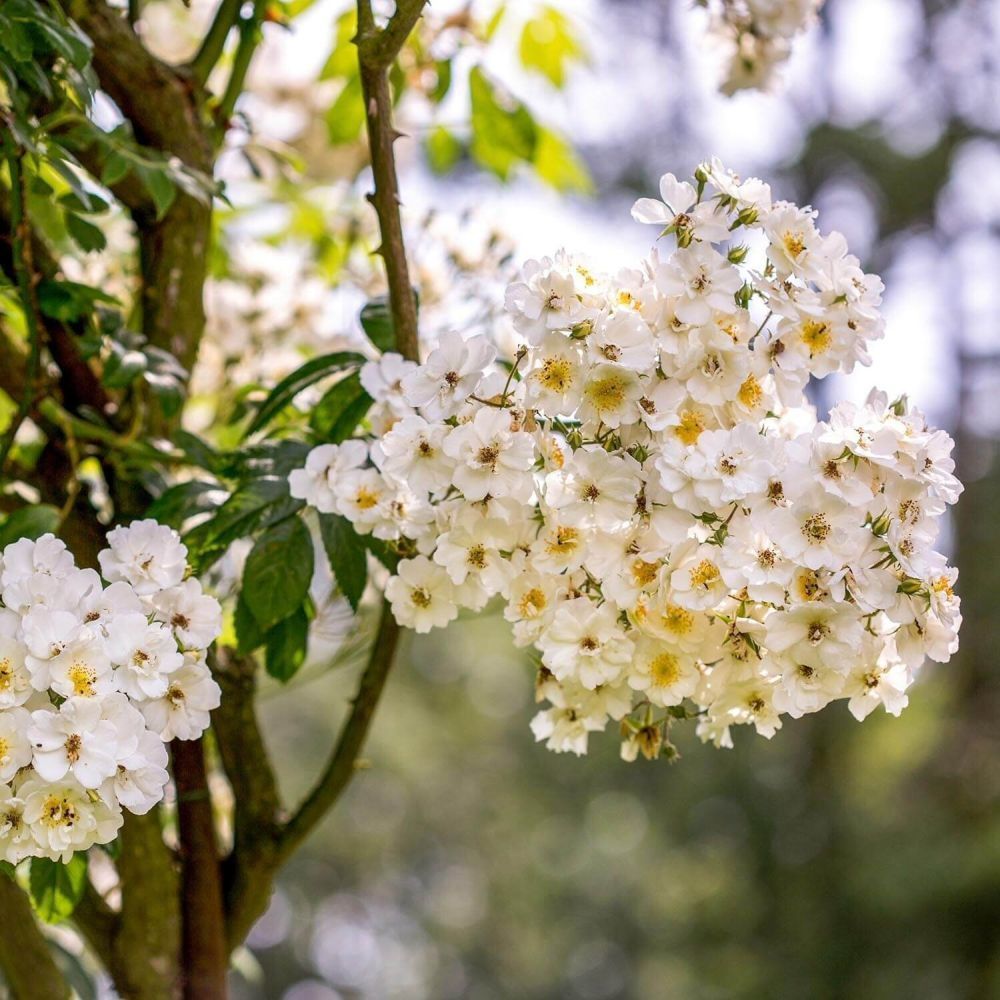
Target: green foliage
pixel 336 416
pixel 443 149
pixel 346 553
pixel 290 386
pixel 558 165
pixel 278 572
pixel 549 45
pixel 176 504
pixel 56 888
pixel 253 506
pixel 32 521
pixel 376 321
pixel 286 646
pixel 504 132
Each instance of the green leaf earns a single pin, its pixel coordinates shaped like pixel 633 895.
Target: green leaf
pixel 69 300
pixel 443 149
pixel 559 166
pixel 29 522
pixel 376 321
pixel 290 386
pixel 116 168
pixel 176 504
pixel 549 44
pixel 343 58
pixel 286 645
pixel 242 514
pixel 123 366
pixel 503 131
pixel 339 412
pixel 158 182
pixel 278 572
pixel 86 235
pixel 346 116
pixel 248 633
pixel 345 550
pixel 56 888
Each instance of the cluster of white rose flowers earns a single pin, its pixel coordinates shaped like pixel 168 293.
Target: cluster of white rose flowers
pixel 756 37
pixel 647 488
pixel 96 675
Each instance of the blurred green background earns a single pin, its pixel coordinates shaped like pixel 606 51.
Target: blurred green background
pixel 839 860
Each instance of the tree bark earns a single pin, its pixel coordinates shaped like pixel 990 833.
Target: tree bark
pixel 27 963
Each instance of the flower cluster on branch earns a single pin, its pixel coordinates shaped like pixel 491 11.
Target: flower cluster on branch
pixel 647 488
pixel 756 37
pixel 96 675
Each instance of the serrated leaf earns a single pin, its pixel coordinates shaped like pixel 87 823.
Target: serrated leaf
pixel 85 234
pixel 241 515
pixel 176 504
pixel 278 572
pixel 56 888
pixel 29 522
pixel 69 300
pixel 290 386
pixel 286 645
pixel 345 551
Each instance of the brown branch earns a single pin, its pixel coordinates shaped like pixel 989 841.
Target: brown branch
pixel 372 52
pixel 343 761
pixel 205 957
pixel 248 872
pixel 166 109
pixel 162 103
pixel 79 384
pixel 380 49
pixel 148 944
pixel 25 959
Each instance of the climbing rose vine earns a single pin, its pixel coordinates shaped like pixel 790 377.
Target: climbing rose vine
pixel 647 488
pixel 95 677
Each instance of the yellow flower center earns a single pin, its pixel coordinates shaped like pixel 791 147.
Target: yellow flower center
pixel 690 427
pixel 555 374
pixel 665 669
pixel 750 392
pixel 677 620
pixel 816 336
pixel 704 574
pixel 82 677
pixel 532 604
pixel 607 393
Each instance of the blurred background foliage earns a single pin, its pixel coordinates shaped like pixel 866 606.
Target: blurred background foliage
pixel 836 861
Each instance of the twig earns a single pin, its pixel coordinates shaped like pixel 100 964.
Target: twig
pixel 214 41
pixel 343 760
pixel 249 39
pixel 376 52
